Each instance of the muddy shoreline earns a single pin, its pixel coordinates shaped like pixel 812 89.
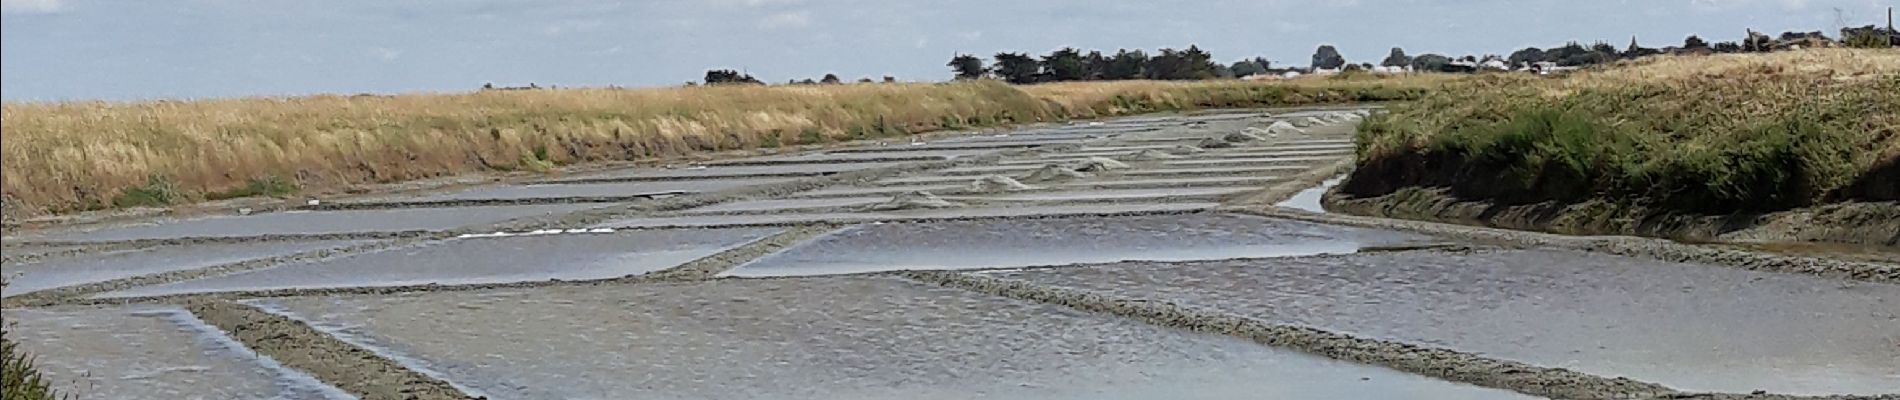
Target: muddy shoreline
pixel 299 346
pixel 1874 224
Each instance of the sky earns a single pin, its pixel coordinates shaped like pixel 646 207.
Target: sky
pixel 149 49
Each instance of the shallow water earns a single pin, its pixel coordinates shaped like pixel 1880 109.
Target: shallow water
pixel 1309 199
pixel 1104 194
pixel 323 222
pixel 612 189
pixel 727 171
pixel 151 352
pixel 787 204
pixel 580 256
pixel 1022 243
pixel 824 339
pixel 928 214
pixel 45 274
pixel 1688 326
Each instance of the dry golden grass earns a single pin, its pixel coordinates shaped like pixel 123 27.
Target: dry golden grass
pixel 1712 134
pixel 62 157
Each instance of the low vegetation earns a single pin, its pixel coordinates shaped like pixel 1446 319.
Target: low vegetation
pixel 1705 135
pixel 63 157
pixel 18 378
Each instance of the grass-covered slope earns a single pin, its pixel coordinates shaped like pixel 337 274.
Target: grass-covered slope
pixel 1688 135
pixel 62 157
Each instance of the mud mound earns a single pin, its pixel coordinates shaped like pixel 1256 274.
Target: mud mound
pixel 1185 149
pixel 1098 164
pixel 1248 135
pixel 1152 154
pixel 1212 143
pixel 1282 128
pixel 998 183
pixel 912 201
pixel 1053 173
pixel 1306 122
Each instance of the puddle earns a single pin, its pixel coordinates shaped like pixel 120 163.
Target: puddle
pixel 787 204
pixel 990 170
pixel 1022 243
pixel 824 339
pixel 23 278
pixel 754 171
pixel 927 180
pixel 879 191
pixel 1118 194
pixel 325 222
pixel 910 215
pixel 1249 161
pixel 1308 199
pixel 1688 326
pixel 481 260
pixel 151 352
pixel 612 189
pixel 859 156
pixel 1216 171
pixel 1271 152
pixel 1248 181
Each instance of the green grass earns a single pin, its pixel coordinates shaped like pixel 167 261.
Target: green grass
pixel 19 380
pixel 1745 135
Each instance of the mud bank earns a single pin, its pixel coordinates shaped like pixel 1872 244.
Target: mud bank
pixel 1857 223
pixel 297 345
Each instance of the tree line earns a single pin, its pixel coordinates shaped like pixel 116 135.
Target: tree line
pixel 1071 64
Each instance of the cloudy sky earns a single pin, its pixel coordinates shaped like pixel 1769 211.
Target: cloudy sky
pixel 141 49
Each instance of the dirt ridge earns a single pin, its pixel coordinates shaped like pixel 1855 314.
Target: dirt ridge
pixel 297 345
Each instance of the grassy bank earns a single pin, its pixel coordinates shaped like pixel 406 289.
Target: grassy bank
pixel 1694 135
pixel 64 157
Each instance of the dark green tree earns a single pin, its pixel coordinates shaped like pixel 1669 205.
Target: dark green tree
pixel 1126 65
pixel 1198 64
pixel 830 79
pixel 730 77
pixel 1396 59
pixel 1244 68
pixel 1065 64
pixel 1430 62
pixel 1163 66
pixel 1017 68
pixel 1096 64
pixel 1694 42
pixel 967 66
pixel 1328 57
pixel 1526 56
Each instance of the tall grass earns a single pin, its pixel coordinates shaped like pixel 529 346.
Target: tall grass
pixel 1732 133
pixel 61 157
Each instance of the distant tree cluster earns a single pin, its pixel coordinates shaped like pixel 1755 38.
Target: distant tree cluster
pixel 1070 64
pixel 730 77
pixel 1576 54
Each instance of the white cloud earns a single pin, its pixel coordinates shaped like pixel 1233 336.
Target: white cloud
pixel 31 6
pixel 921 43
pixel 786 20
pixel 971 35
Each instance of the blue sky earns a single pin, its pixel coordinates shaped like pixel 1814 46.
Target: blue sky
pixel 142 49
